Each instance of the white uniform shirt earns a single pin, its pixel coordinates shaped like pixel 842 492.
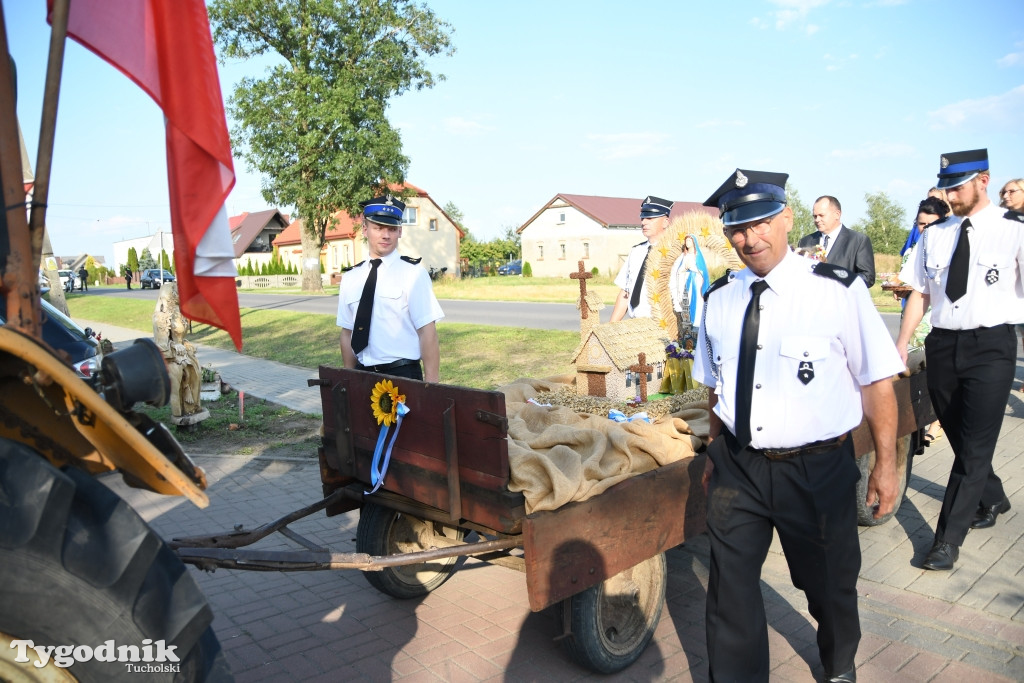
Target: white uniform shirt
pixel 995 294
pixel 805 318
pixel 627 279
pixel 403 303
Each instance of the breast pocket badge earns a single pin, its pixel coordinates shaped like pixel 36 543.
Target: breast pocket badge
pixel 992 276
pixel 805 373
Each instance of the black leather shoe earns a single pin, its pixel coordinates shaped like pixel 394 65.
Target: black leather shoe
pixel 848 677
pixel 942 556
pixel 985 517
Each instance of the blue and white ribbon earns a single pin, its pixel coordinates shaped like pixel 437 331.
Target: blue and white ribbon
pixel 377 468
pixel 620 416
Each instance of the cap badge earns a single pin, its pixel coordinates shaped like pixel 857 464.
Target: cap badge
pixel 944 162
pixel 741 180
pixel 389 202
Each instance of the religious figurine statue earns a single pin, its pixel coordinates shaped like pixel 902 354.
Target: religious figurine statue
pixel 169 327
pixel 687 284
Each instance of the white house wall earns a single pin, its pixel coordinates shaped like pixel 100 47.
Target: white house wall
pixel 581 238
pixel 438 248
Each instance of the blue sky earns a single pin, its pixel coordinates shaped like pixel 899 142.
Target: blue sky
pixel 604 98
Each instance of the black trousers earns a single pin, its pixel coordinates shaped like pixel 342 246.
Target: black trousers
pixel 970 373
pixel 810 501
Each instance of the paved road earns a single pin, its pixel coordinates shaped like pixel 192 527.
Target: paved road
pixel 542 316
pixel 964 626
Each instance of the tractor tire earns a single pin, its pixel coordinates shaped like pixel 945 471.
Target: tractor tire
pixel 383 531
pixel 78 566
pixel 904 463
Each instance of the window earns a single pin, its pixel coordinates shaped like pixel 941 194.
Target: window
pixel 586 250
pixel 561 217
pixel 561 249
pixel 433 225
pixel 540 252
pixel 409 217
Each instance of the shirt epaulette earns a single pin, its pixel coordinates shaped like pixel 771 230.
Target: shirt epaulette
pixel 1014 216
pixel 834 272
pixel 354 265
pixel 720 282
pixel 410 259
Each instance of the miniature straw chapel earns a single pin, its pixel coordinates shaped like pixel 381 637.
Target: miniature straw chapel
pixel 607 358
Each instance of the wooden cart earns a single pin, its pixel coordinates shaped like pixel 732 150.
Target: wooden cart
pixel 445 495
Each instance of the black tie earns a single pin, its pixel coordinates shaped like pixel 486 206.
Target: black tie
pixel 824 243
pixel 634 298
pixel 361 333
pixel 748 356
pixel 956 283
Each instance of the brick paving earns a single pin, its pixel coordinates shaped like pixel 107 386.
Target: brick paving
pixel 959 626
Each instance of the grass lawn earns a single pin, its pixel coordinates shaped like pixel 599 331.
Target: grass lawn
pixel 478 356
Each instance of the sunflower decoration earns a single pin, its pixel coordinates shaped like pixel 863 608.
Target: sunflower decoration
pixel 717 251
pixel 384 400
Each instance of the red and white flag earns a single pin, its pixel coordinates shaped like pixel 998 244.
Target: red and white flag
pixel 165 46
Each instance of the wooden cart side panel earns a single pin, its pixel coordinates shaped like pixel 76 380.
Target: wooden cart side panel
pixel 485 505
pixel 581 544
pixel 914 410
pixel 482 445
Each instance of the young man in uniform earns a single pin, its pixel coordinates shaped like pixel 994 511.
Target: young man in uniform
pixel 633 299
pixel 386 307
pixel 969 271
pixel 794 354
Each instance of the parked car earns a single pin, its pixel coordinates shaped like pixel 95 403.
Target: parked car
pixel 511 268
pixel 64 334
pixel 67 279
pixel 155 278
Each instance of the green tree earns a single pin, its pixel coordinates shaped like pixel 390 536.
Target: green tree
pixel 165 261
pixel 133 260
pixel 527 270
pixel 146 261
pixel 455 213
pixel 315 126
pixel 885 224
pixel 803 218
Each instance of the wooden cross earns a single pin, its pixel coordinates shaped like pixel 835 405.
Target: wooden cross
pixel 582 276
pixel 642 368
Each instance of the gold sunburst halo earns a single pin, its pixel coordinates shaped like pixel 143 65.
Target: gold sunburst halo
pixel 384 400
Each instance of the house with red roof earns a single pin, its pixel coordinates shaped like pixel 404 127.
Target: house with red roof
pixel 253 235
pixel 600 231
pixel 428 233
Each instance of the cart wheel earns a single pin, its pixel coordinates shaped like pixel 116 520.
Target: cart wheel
pixel 904 460
pixel 383 531
pixel 612 622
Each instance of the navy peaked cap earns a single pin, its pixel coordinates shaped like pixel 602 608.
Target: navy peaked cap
pixel 957 168
pixel 749 195
pixel 652 207
pixel 385 210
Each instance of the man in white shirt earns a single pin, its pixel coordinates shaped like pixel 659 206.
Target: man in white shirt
pixel 794 354
pixel 969 270
pixel 387 310
pixel 633 298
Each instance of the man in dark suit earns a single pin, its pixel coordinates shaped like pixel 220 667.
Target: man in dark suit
pixel 843 247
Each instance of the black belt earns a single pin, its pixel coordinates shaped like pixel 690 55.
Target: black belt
pixel 1005 327
pixel 808 449
pixel 400 363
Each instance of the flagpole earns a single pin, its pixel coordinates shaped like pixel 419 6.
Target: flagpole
pixel 48 125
